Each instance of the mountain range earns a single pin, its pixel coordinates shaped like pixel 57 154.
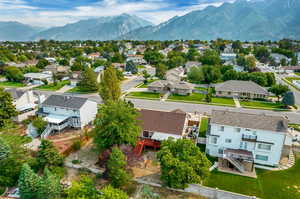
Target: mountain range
pixel 241 20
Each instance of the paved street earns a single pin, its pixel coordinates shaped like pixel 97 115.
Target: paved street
pixel 131 83
pixel 202 108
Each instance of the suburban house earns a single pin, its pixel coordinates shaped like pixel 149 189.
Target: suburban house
pixel 38 78
pixel 290 69
pixel 175 74
pixel 57 68
pixel 228 56
pixel 241 89
pixel 241 140
pixel 66 111
pixel 25 103
pixel 99 71
pixel 137 59
pixel 158 126
pixel 278 57
pixel 191 64
pixel 163 86
pixel 74 78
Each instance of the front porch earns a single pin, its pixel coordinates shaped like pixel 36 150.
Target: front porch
pixel 238 162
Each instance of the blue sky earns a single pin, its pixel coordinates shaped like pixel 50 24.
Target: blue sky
pixel 60 12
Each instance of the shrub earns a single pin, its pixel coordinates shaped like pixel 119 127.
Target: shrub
pixel 76 146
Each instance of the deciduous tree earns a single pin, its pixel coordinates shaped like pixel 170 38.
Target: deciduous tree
pixel 279 90
pixel 116 123
pixel 88 81
pixel 182 163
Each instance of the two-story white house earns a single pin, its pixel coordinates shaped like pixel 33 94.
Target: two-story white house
pixel 25 102
pixel 66 111
pixel 241 140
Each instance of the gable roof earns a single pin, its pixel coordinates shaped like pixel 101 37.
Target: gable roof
pixel 251 121
pixel 15 93
pixel 241 87
pixel 65 101
pixel 163 122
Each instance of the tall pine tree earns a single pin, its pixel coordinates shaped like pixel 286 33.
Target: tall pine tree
pixel 7 108
pixel 48 155
pixel 29 183
pixel 117 168
pixel 50 186
pixel 110 85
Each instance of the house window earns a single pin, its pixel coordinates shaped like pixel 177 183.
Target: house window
pixel 214 140
pixel 220 151
pixel 248 130
pixel 229 93
pixel 238 130
pixel 262 157
pixel 227 140
pixel 55 108
pixel 221 128
pixel 266 147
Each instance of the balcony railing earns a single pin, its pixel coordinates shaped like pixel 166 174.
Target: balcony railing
pixel 250 138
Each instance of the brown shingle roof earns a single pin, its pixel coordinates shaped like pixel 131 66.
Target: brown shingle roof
pixel 251 121
pixel 163 122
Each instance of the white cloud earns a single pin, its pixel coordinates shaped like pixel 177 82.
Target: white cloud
pixel 156 11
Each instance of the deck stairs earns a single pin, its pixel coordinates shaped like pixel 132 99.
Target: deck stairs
pixel 235 163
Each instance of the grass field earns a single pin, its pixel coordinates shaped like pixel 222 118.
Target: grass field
pixel 146 85
pixel 203 127
pixel 269 184
pixel 78 90
pixel 201 89
pixel 261 105
pixel 52 87
pixel 194 97
pixel 220 100
pixel 11 84
pixel 144 95
pixel 289 80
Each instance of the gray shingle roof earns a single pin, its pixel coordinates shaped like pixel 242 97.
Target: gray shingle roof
pixel 65 101
pixel 241 87
pixel 16 94
pixel 251 121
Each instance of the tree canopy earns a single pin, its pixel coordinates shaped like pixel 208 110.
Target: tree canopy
pixel 48 155
pixel 13 74
pixel 116 166
pixel 279 90
pixel 116 123
pixel 88 81
pixel 182 163
pixel 110 85
pixel 289 99
pixel 7 108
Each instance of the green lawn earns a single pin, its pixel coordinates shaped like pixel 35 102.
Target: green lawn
pixel 269 184
pixel 194 97
pixel 203 127
pixel 297 74
pixel 289 80
pixel 261 104
pixel 11 84
pixel 146 85
pixel 144 95
pixel 52 87
pixel 78 90
pixel 220 100
pixel 201 89
pixel 295 126
pixel 200 98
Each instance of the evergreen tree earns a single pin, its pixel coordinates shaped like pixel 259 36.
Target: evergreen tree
pixel 29 183
pixel 110 85
pixel 48 155
pixel 4 149
pixel 289 99
pixel 116 123
pixel 7 109
pixel 161 70
pixel 50 186
pixel 131 67
pixel 116 166
pixel 88 81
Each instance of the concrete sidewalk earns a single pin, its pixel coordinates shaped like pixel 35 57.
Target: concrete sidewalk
pixel 236 101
